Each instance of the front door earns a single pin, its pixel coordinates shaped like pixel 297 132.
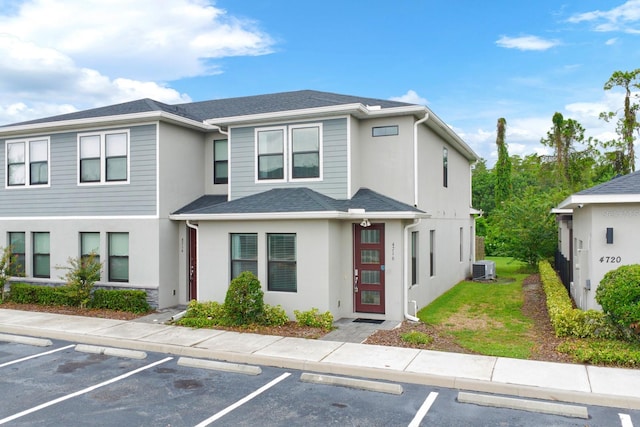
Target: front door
pixel 368 270
pixel 193 264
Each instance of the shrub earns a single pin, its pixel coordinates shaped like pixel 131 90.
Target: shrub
pixel 619 295
pixel 274 316
pixel 603 352
pixel 82 274
pixel 566 320
pixel 244 300
pixel 9 267
pixel 416 337
pixel 203 315
pixel 314 319
pixel 133 301
pixel 23 293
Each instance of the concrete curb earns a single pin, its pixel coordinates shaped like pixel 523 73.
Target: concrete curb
pixel 624 402
pixel 219 366
pixel 108 351
pixel 524 405
pixel 18 339
pixel 352 383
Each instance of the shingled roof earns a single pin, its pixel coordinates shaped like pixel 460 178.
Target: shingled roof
pixel 626 184
pixel 229 107
pixel 295 200
pixel 622 189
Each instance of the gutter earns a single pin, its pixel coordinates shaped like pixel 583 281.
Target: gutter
pixel 407 276
pixel 415 157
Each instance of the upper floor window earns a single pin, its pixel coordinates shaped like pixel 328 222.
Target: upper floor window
pixel 220 162
pixel 27 162
pixel 103 157
pixel 305 152
pixel 384 130
pixel 289 153
pixel 445 167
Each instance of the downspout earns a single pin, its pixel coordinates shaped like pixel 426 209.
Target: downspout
pixel 195 227
pixel 407 274
pixel 415 158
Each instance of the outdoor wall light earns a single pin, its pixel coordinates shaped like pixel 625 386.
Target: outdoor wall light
pixel 609 235
pixel 365 223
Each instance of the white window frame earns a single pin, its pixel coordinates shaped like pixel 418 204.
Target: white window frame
pixel 103 157
pixel 287 132
pixel 27 163
pixel 290 154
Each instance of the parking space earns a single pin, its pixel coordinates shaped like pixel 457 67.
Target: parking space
pixel 58 385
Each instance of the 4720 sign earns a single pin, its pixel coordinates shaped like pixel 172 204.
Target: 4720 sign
pixel 610 260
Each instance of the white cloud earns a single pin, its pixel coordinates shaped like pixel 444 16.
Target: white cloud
pixel 620 18
pixel 611 42
pixel 526 43
pixel 411 97
pixel 110 52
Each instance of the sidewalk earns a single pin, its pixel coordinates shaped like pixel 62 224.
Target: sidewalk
pixel 523 378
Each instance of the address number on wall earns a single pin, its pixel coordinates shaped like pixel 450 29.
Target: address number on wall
pixel 610 260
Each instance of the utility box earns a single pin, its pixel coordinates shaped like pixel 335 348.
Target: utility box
pixel 484 270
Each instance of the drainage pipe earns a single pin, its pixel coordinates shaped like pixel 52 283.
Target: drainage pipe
pixel 415 158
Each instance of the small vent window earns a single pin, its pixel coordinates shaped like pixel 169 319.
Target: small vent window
pixel 385 130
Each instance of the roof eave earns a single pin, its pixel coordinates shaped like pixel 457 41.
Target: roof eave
pixel 579 200
pixel 299 215
pixel 64 125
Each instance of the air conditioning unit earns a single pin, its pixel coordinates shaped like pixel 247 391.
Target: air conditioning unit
pixel 484 270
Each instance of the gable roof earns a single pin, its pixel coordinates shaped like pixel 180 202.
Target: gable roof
pixel 289 203
pixel 621 189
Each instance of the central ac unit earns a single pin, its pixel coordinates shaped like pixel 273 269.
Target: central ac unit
pixel 484 270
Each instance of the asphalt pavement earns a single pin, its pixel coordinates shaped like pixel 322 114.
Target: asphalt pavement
pixel 572 383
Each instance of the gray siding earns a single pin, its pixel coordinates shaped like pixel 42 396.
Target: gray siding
pixel 334 152
pixel 64 197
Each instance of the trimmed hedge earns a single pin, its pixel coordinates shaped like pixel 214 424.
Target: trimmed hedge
pixel 568 321
pixel 619 295
pixel 133 301
pixel 120 300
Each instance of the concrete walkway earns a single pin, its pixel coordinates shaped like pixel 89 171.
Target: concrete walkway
pixel 524 378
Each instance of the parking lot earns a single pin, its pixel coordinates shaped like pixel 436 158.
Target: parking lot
pixel 69 384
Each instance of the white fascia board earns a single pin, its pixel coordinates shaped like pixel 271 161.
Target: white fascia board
pixel 575 201
pixel 63 125
pixel 561 211
pixel 356 109
pixel 450 136
pixel 298 215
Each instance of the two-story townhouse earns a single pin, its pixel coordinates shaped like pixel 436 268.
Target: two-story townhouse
pixel 355 205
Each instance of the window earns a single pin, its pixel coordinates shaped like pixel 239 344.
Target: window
pixel 103 157
pixel 384 131
pixel 41 256
pixel 31 156
pixel 432 253
pixel 271 154
pixel 282 267
pixel 16 243
pixel 414 257
pixel 244 254
pixel 289 153
pixel 461 244
pixel 118 257
pixel 445 167
pixel 90 244
pixel 220 162
pixel 305 152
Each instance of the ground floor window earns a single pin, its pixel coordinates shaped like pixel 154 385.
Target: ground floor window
pixel 118 257
pixel 414 257
pixel 282 265
pixel 41 255
pixel 432 253
pixel 17 247
pixel 244 253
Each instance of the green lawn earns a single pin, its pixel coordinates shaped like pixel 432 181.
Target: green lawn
pixel 486 317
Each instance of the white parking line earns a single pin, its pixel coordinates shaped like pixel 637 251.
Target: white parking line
pixel 83 391
pixel 35 355
pixel 625 420
pixel 423 409
pixel 242 401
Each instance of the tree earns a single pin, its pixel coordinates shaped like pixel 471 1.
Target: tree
pixel 628 123
pixel 9 267
pixel 503 165
pixel 82 274
pixel 482 188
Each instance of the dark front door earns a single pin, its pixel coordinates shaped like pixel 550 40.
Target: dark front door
pixel 368 272
pixel 193 264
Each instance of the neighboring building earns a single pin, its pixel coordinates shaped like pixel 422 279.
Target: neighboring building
pixel 599 230
pixel 355 205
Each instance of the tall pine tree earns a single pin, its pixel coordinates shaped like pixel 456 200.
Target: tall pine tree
pixel 502 190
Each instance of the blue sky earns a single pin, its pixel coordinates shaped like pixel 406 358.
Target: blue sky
pixel 471 62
